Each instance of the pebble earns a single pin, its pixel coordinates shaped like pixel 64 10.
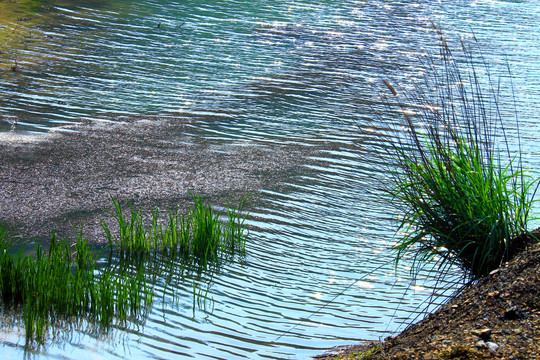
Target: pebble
pixel 514 314
pixel 492 346
pixel 489 345
pixel 480 344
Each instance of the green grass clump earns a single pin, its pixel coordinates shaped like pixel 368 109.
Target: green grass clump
pixel 66 284
pixel 363 354
pixel 198 235
pixel 60 284
pixel 463 193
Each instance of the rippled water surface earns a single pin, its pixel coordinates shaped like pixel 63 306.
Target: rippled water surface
pixel 317 272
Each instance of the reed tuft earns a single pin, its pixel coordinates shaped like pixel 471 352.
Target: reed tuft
pixel 460 187
pixel 63 284
pixel 197 236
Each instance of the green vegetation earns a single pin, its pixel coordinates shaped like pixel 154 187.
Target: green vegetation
pixel 197 236
pixel 59 285
pixel 66 284
pixel 370 352
pixel 460 187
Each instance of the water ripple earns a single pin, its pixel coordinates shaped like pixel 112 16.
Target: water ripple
pixel 318 272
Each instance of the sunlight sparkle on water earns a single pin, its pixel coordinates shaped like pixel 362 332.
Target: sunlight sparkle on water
pixel 365 285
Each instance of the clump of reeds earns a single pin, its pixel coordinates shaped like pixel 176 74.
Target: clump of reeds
pixel 198 235
pixel 61 284
pixel 461 190
pixel 66 283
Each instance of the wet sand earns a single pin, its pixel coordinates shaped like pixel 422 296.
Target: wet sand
pixel 64 180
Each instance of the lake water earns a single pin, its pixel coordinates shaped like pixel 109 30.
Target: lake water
pixel 318 272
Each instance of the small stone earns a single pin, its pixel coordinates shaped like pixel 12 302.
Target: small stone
pixel 480 344
pixel 492 346
pixel 514 314
pixel 483 334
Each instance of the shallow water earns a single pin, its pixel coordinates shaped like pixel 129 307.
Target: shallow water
pixel 281 74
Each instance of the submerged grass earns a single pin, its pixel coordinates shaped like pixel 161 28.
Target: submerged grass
pixel 199 235
pixel 462 191
pixel 18 20
pixel 66 284
pixel 56 285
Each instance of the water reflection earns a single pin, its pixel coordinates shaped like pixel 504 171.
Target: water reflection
pixel 292 80
pixel 137 282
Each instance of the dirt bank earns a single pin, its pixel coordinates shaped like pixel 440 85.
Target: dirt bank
pixel 496 318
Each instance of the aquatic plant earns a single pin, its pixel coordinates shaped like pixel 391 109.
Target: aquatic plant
pixel 198 235
pixel 65 283
pixel 461 189
pixel 59 285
